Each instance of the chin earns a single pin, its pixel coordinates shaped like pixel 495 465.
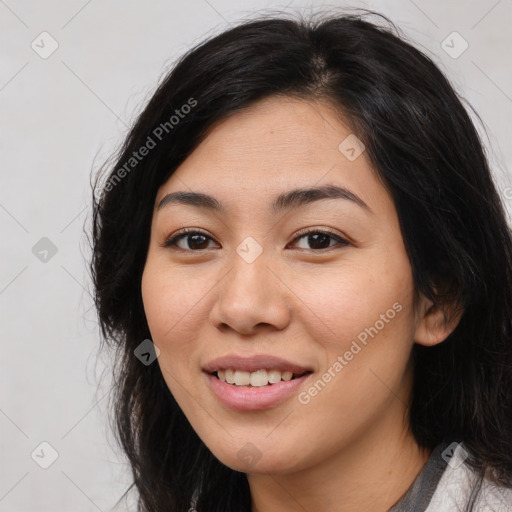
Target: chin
pixel 250 459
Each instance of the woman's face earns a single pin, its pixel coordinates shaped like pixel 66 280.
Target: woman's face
pixel 253 283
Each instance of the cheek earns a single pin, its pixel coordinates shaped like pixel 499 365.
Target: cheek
pixel 364 322
pixel 371 332
pixel 341 303
pixel 172 310
pixel 168 298
pixel 172 306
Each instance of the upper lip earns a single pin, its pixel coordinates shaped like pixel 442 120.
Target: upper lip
pixel 253 363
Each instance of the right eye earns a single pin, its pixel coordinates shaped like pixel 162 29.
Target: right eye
pixel 196 240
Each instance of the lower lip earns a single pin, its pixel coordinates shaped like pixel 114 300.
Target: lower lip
pixel 243 398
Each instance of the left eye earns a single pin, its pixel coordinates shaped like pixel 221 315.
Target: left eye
pixel 198 241
pixel 318 239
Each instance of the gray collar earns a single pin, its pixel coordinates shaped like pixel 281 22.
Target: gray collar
pixel 419 494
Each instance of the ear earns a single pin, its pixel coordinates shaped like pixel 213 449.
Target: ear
pixel 435 323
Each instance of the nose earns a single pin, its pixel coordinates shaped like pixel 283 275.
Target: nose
pixel 252 297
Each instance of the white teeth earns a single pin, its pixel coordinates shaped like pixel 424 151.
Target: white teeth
pixel 274 376
pixel 242 378
pixel 286 375
pixel 258 378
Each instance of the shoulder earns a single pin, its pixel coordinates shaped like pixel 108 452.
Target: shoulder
pixel 460 486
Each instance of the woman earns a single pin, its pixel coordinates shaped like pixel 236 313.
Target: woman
pixel 303 223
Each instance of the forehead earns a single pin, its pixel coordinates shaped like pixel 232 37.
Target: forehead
pixel 273 146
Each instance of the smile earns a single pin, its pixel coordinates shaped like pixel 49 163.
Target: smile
pixel 246 397
pixel 258 378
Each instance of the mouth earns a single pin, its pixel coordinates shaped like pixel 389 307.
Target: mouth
pixel 258 378
pixel 253 391
pixel 254 382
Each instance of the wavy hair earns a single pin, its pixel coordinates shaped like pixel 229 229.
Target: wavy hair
pixel 424 147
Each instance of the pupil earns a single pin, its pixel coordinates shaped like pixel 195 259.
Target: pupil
pixel 195 243
pixel 313 240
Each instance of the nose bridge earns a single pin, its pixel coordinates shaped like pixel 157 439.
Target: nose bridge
pixel 249 269
pixel 250 294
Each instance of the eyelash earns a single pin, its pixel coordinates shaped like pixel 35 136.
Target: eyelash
pixel 171 241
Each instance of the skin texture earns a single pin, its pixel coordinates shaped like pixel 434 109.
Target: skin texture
pixel 349 447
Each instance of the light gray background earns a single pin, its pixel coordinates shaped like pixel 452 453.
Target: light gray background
pixel 60 118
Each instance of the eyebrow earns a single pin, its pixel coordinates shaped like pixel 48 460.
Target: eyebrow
pixel 287 200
